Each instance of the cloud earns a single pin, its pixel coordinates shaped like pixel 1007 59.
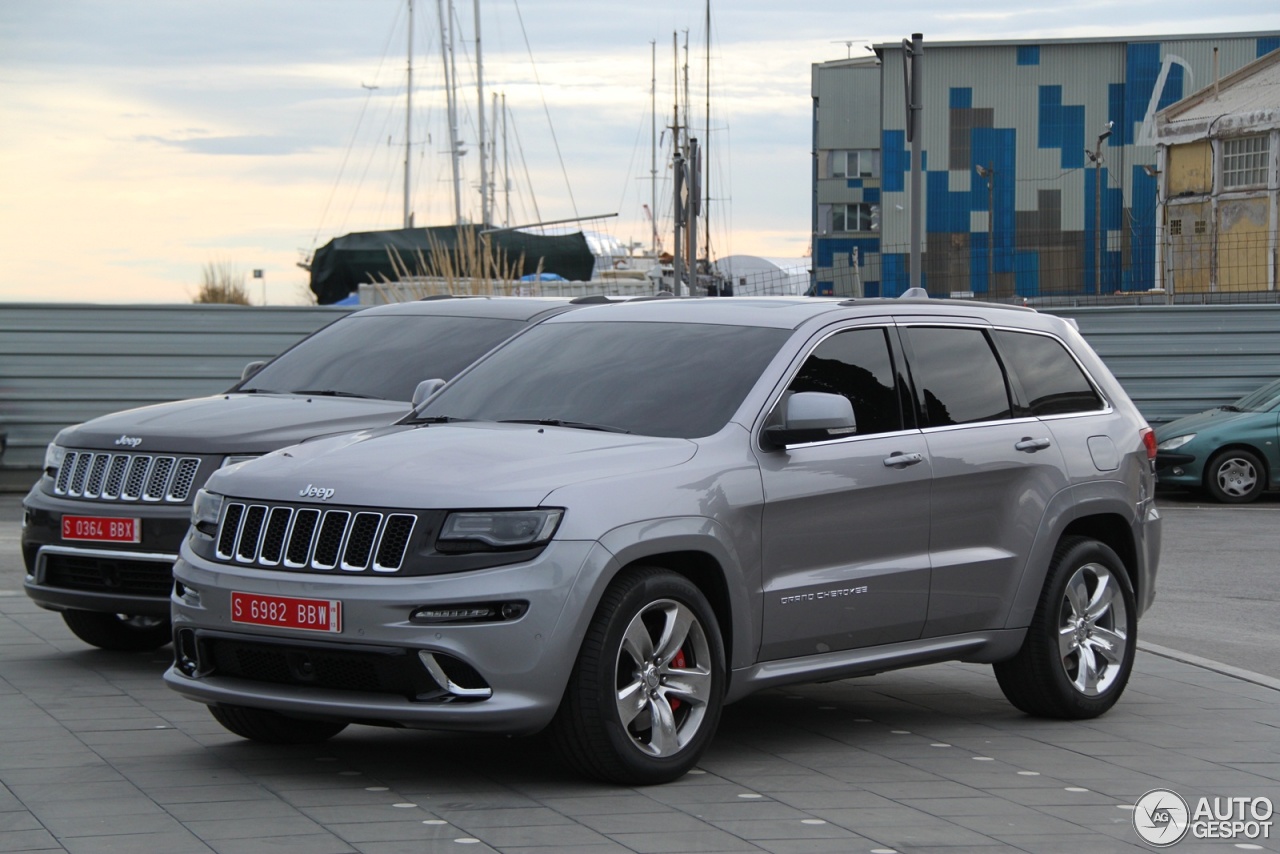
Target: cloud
pixel 236 145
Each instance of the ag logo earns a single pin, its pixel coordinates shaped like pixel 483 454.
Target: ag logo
pixel 1161 817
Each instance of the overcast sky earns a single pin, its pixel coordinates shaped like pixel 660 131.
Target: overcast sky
pixel 143 139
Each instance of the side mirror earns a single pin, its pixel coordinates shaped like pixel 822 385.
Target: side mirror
pixel 251 369
pixel 425 389
pixel 812 416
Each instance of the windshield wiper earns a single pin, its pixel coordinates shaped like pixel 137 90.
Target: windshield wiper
pixel 1230 407
pixel 439 419
pixel 330 392
pixel 257 391
pixel 558 422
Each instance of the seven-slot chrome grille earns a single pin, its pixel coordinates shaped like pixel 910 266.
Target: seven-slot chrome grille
pixel 312 538
pixel 108 476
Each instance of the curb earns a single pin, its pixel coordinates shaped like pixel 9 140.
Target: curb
pixel 1210 664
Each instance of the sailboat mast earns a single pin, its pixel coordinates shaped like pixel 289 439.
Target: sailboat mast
pixel 484 172
pixel 408 123
pixel 446 54
pixel 677 162
pixel 653 146
pixel 506 167
pixel 705 159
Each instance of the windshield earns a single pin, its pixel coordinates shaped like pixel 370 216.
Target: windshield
pixel 655 379
pixel 1260 400
pixel 381 356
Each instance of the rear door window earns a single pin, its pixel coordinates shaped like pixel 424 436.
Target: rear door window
pixel 958 379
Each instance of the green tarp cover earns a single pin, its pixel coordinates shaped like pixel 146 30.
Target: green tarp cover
pixel 344 263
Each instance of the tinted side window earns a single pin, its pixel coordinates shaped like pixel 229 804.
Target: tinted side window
pixel 957 376
pixel 856 364
pixel 1049 377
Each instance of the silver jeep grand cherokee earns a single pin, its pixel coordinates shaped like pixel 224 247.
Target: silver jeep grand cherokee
pixel 624 518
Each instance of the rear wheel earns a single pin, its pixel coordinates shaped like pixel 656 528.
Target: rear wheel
pixel 645 695
pixel 274 728
pixel 1078 653
pixel 1235 476
pixel 118 632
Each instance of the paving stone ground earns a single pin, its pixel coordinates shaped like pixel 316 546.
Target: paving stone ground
pixel 97 756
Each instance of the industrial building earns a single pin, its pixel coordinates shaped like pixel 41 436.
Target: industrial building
pixel 1218 162
pixel 1040 172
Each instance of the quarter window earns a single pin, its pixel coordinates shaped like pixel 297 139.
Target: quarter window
pixel 1051 382
pixel 856 364
pixel 957 376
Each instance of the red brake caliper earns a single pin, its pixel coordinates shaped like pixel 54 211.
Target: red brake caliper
pixel 677 662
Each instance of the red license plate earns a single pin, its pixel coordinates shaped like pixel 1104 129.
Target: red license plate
pixel 286 612
pixel 102 529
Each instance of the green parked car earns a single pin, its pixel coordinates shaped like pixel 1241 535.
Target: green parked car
pixel 1232 452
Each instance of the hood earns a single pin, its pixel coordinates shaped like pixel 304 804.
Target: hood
pixel 1210 419
pixel 439 466
pixel 230 423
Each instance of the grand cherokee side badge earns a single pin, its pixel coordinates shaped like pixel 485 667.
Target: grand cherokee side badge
pixel 323 493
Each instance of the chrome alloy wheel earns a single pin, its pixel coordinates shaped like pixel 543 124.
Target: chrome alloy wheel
pixel 1236 476
pixel 1092 634
pixel 664 678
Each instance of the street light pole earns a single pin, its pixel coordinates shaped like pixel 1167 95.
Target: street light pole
pixel 989 174
pixel 1098 231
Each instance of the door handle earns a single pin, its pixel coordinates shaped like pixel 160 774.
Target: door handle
pixel 1032 445
pixel 899 460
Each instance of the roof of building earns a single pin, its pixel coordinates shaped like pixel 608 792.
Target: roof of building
pixel 1183 37
pixel 1245 101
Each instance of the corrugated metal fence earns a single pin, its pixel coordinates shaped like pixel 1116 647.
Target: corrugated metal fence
pixel 61 364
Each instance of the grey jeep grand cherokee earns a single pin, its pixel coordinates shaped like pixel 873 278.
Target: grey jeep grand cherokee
pixel 102 526
pixel 627 517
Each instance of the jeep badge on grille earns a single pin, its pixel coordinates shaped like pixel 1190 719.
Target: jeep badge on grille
pixel 323 493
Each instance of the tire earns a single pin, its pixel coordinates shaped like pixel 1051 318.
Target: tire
pixel 1235 476
pixel 118 632
pixel 274 728
pixel 639 709
pixel 1078 653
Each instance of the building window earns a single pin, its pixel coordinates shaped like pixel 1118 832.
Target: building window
pixel 863 163
pixel 856 217
pixel 1175 226
pixel 1244 161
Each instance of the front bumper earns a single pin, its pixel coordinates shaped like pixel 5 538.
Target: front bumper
pixel 384 667
pixel 121 578
pixel 1175 469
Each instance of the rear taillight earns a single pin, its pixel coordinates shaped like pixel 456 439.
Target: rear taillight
pixel 1149 439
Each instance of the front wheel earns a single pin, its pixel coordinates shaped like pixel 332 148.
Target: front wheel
pixel 645 695
pixel 1235 476
pixel 118 632
pixel 274 728
pixel 1078 653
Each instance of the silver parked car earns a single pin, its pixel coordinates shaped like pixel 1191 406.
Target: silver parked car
pixel 628 516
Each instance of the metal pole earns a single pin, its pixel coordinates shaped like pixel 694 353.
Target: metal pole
pixel 917 159
pixel 484 170
pixel 677 263
pixel 653 146
pixel 991 229
pixel 506 167
pixel 408 123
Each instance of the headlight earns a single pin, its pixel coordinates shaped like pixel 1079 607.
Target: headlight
pixel 233 459
pixel 497 529
pixel 53 457
pixel 1175 442
pixel 206 510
